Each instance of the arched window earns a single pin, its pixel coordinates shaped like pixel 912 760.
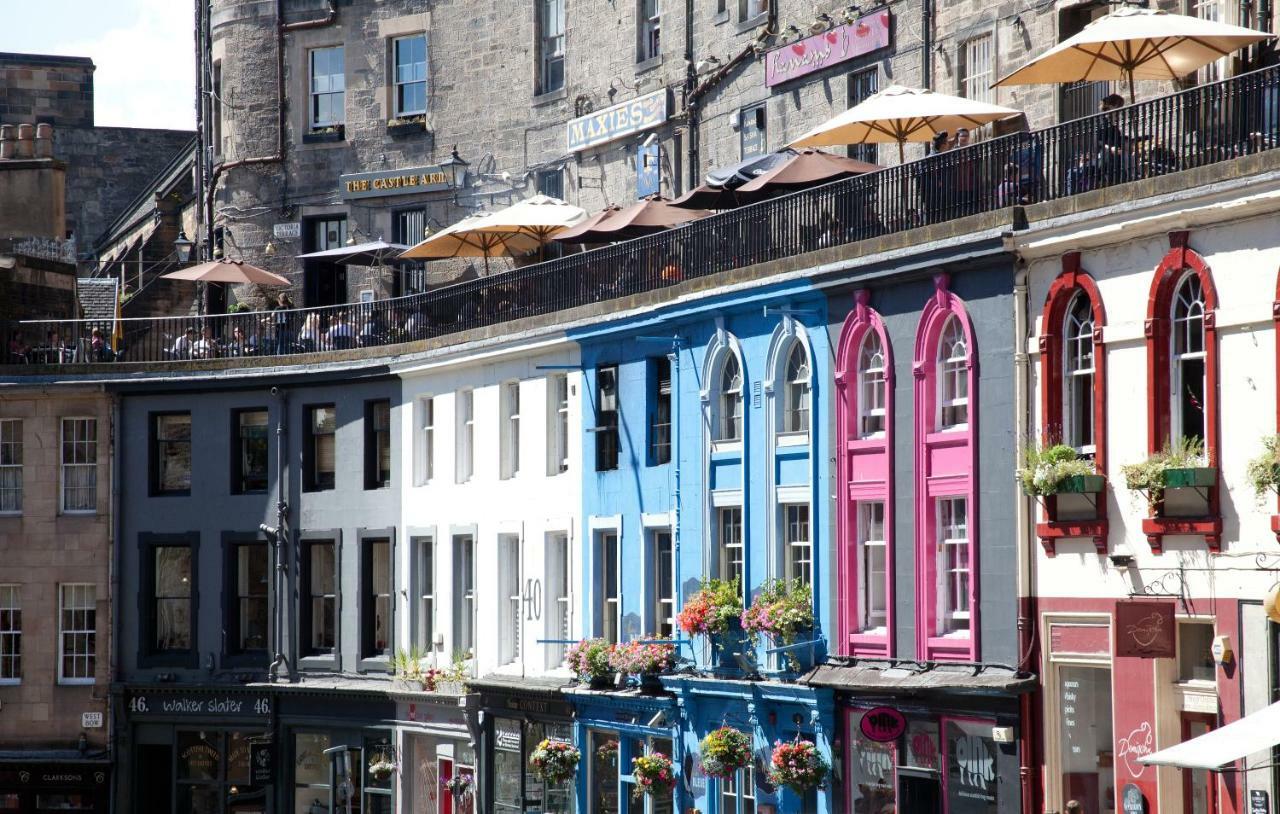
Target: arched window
pixel 953 377
pixel 1187 358
pixel 1078 376
pixel 871 387
pixel 795 405
pixel 730 418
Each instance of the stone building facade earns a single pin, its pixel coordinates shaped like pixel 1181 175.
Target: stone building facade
pixel 55 595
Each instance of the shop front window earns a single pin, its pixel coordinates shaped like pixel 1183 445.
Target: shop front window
pixel 872 771
pixel 972 780
pixel 603 780
pixel 378 795
pixel 1085 737
pixel 311 784
pixel 516 787
pixel 213 773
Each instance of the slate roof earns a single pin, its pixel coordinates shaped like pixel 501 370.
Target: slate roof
pixel 97 297
pixel 909 678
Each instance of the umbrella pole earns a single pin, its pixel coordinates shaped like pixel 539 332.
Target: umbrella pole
pixel 901 153
pixel 1131 94
pixel 486 264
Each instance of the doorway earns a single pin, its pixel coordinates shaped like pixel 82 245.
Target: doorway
pixel 324 283
pixel 153 778
pixel 1199 788
pixel 919 792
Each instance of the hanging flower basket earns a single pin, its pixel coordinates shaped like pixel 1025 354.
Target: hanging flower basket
pixel 589 659
pixel 711 611
pixel 798 765
pixel 555 761
pixel 654 774
pixel 461 786
pixel 607 753
pixel 724 751
pixel 380 769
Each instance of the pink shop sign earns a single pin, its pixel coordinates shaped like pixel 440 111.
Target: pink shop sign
pixel 840 44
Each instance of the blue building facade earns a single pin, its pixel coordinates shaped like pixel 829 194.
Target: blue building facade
pixel 705 446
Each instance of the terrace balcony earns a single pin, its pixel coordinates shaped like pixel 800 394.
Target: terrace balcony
pixel 1181 140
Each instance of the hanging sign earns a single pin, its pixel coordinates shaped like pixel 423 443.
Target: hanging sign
pixel 1145 629
pixel 1132 801
pixel 839 44
pixel 883 724
pixel 616 121
pixel 261 764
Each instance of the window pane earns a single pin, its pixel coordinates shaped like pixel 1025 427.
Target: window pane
pixel 253 451
pixel 173 597
pixel 251 593
pixel 78 622
pixel 173 453
pixel 323 580
pixel 10 632
pixel 1085 737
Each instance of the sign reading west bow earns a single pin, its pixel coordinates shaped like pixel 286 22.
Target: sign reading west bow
pixel 839 44
pixel 618 120
pixel 392 182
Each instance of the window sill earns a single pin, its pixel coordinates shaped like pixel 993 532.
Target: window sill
pixel 10 514
pixel 754 22
pixel 646 65
pixel 78 513
pixel 1157 528
pixel 414 126
pixel 319 662
pixel 793 439
pixel 249 492
pixel 720 17
pixel 374 664
pixel 77 682
pixel 550 97
pixel 175 493
pixel 872 642
pixel 10 682
pixel 336 136
pixel 724 447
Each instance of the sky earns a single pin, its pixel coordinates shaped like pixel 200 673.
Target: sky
pixel 143 50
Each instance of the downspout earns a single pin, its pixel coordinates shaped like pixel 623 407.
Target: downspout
pixel 926 44
pixel 690 95
pixel 113 580
pixel 280 542
pixel 1023 514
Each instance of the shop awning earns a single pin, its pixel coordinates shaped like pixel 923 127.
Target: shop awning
pixel 1257 732
pixel 913 677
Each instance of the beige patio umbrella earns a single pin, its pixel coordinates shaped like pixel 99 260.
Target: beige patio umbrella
pixel 466 239
pixel 227 271
pixel 1135 43
pixel 540 218
pixel 900 114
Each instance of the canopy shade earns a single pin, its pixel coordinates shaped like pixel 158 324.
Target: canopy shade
pixel 900 114
pixel 539 217
pixel 1253 733
pixel 583 232
pixel 1135 43
pixel 465 239
pixel 641 218
pixel 806 168
pixel 373 253
pixel 227 271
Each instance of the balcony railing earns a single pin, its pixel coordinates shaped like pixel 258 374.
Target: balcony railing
pixel 1193 128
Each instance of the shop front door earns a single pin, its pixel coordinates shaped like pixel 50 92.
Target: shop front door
pixel 1199 788
pixel 919 793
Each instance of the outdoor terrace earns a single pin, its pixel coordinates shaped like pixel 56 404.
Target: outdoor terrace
pixel 1207 125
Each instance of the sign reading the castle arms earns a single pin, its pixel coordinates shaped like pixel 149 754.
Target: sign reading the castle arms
pixel 1145 629
pixel 392 182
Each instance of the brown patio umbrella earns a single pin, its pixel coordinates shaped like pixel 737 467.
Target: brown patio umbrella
pixel 576 233
pixel 642 218
pixel 227 271
pixel 706 196
pixel 807 168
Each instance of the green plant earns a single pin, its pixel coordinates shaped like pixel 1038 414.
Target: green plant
pixel 710 610
pixel 407 664
pixel 1264 470
pixel 1149 476
pixel 1045 468
pixel 590 658
pixel 237 308
pixel 724 751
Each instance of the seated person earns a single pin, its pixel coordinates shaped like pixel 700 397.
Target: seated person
pixel 206 347
pixel 240 345
pixel 310 337
pixel 342 334
pixel 19 350
pixel 59 351
pixel 182 346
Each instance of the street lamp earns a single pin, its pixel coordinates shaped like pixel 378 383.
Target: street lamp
pixel 456 167
pixel 182 245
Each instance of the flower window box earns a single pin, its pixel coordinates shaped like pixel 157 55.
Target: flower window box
pixel 1069 488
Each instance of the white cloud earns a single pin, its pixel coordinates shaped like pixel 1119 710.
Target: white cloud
pixel 146 66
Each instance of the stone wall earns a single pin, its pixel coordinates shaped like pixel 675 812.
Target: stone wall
pixel 35 88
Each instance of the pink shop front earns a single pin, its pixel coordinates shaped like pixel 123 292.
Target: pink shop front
pixel 926 750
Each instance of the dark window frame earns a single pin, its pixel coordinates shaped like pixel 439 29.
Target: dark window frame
pixel 237 454
pixel 312 659
pixel 148 656
pixel 660 449
pixel 232 654
pixel 309 481
pixel 372 453
pixel 153 453
pixel 608 441
pixel 370 658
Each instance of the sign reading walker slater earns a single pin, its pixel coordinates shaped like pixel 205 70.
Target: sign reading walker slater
pixel 392 182
pixel 616 121
pixel 192 704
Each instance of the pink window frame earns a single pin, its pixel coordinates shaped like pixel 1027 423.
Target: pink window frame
pixel 956 443
pixel 874 484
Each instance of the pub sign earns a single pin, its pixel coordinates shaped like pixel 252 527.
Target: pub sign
pixel 616 121
pixel 1145 629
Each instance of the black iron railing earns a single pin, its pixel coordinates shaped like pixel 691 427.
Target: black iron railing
pixel 1193 128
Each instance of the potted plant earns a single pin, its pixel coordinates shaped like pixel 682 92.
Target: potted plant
pixel 654 774
pixel 589 659
pixel 1264 470
pixel 724 751
pixel 714 610
pixel 607 753
pixel 798 765
pixel 781 611
pixel 1058 469
pixel 555 761
pixel 647 661
pixel 1177 466
pixel 334 132
pixel 380 768
pixel 407 668
pixel 460 786
pixel 403 125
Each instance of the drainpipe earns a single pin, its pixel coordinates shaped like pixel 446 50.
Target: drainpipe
pixel 690 90
pixel 117 567
pixel 1024 517
pixel 279 539
pixel 926 44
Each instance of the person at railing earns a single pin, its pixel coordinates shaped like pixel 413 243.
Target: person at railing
pixel 241 345
pixel 1009 189
pixel 671 272
pixel 312 336
pixel 964 175
pixel 56 351
pixel 206 347
pixel 373 329
pixel 182 346
pixel 282 322
pixel 1116 148
pixel 19 350
pixel 342 334
pixel 932 177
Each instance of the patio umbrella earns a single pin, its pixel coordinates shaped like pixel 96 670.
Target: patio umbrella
pixel 227 271
pixel 900 114
pixel 735 175
pixel 705 196
pixel 805 168
pixel 575 234
pixel 466 239
pixel 540 218
pixel 373 253
pixel 642 218
pixel 1135 43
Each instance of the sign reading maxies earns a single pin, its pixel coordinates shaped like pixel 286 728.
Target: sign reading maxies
pixel 616 121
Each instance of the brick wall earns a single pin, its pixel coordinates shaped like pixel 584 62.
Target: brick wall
pixel 38 88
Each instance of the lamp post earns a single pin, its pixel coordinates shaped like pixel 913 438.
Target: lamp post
pixel 182 247
pixel 456 167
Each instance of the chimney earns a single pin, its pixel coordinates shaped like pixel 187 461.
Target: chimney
pixel 44 141
pixel 7 143
pixel 26 141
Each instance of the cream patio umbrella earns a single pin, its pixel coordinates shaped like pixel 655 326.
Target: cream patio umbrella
pixel 1135 43
pixel 466 239
pixel 900 114
pixel 539 218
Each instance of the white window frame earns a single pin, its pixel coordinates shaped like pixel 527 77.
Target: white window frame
pixel 730 549
pixel 559 579
pixel 424 563
pixel 90 468
pixel 872 387
pixel 11 486
pixel 608 591
pixel 509 628
pixel 951 576
pixel 953 374
pixel 1077 378
pixel 11 607
pixel 738 793
pixel 509 438
pixel 1184 326
pixel 648 30
pixel 872 581
pixel 558 421
pixel 551 43
pixel 797 542
pixel 662 606
pixel 426 441
pixel 751 9
pixel 465 422
pixel 797 391
pixel 325 86
pixel 729 400
pixel 399 82
pixel 464 593
pixel 85 635
pixel 978 54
